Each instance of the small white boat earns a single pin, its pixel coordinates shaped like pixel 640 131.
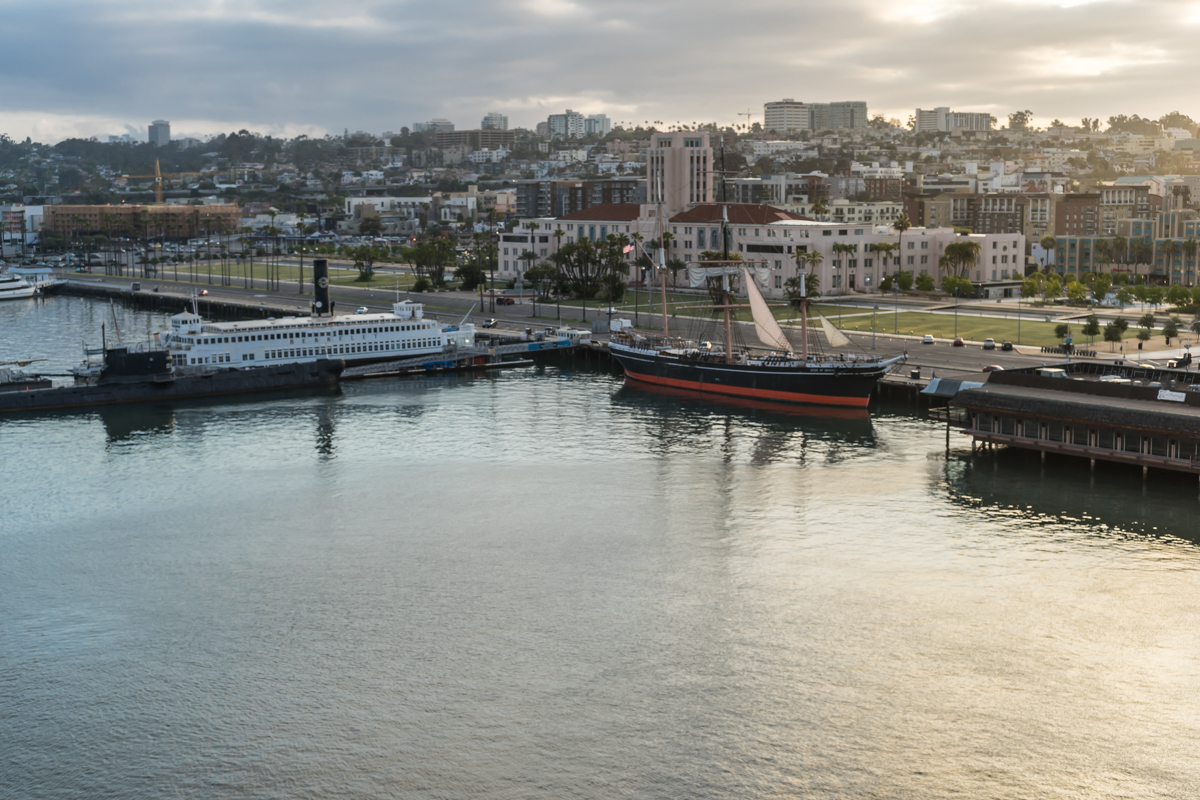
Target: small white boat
pixel 14 287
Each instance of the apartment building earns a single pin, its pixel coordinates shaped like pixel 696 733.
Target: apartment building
pixel 556 198
pixel 943 120
pixel 570 125
pixel 1078 215
pixel 597 125
pixel 169 220
pixel 494 121
pixel 780 188
pixel 787 116
pixel 849 211
pixel 160 133
pixel 1126 202
pixel 482 139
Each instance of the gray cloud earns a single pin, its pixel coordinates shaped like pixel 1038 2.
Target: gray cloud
pixel 87 66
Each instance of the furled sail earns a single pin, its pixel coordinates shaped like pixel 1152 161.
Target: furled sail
pixel 698 275
pixel 836 338
pixel 768 330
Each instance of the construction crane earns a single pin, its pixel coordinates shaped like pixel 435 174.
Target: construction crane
pixel 747 114
pixel 158 179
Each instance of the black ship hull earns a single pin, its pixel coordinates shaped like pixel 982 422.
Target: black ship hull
pixel 168 387
pixel 847 386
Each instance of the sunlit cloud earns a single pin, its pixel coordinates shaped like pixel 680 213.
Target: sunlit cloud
pixel 280 65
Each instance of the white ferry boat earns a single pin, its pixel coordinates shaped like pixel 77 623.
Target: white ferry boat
pixel 14 287
pixel 356 338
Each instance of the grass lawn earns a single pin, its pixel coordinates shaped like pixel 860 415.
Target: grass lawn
pixel 918 323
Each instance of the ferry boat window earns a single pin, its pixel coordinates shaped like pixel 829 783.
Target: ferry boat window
pixel 1158 446
pixel 1054 432
pixel 1132 443
pixel 1106 439
pixel 1079 435
pixel 1031 429
pixel 984 422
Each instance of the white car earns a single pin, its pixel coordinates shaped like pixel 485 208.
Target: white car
pixel 361 310
pixel 928 339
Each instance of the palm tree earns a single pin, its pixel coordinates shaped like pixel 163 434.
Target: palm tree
pixel 1168 248
pixel 1189 248
pixel 1102 251
pixel 901 224
pixel 961 256
pixel 1120 247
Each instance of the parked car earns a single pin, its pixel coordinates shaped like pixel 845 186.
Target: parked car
pixel 1006 346
pixel 506 301
pixel 361 310
pixel 928 339
pixel 989 344
pixel 135 287
pixel 993 368
pixel 490 322
pixel 204 292
pixel 958 342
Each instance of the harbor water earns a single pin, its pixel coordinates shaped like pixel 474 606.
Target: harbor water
pixel 544 584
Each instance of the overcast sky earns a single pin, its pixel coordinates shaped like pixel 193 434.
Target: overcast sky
pixel 99 67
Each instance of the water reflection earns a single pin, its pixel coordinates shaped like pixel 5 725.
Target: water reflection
pixel 1015 484
pixel 678 420
pixel 124 423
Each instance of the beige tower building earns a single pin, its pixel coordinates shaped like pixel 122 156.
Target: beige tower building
pixel 679 171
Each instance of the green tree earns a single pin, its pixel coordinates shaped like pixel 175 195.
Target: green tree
pixel 1091 327
pixel 1170 330
pixel 1146 321
pixel 1155 296
pixel 925 282
pixel 904 279
pixel 1100 287
pixel 371 225
pixel 1113 335
pixel 1179 296
pixel 1061 331
pixel 1052 289
pixel 1124 297
pixel 1076 292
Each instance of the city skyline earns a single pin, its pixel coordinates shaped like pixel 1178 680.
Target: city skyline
pixel 308 68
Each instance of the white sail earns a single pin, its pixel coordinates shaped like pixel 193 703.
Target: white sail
pixel 768 330
pixel 836 338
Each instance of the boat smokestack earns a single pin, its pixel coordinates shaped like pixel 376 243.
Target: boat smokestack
pixel 321 286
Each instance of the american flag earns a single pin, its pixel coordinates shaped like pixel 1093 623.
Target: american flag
pixel 628 249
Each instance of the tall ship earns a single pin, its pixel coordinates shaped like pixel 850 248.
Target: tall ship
pixel 775 372
pixel 351 338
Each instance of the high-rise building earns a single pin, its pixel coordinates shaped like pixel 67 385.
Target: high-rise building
pixel 787 115
pixel 942 119
pixel 597 124
pixel 679 170
pixel 160 133
pixel 494 121
pixel 969 121
pixel 932 120
pixel 433 126
pixel 567 126
pixel 848 114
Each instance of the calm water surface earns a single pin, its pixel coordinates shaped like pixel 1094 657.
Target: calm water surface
pixel 541 584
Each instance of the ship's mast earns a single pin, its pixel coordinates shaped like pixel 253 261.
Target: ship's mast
pixel 803 321
pixel 728 297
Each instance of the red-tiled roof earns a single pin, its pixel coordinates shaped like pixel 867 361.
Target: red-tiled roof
pixel 607 212
pixel 739 214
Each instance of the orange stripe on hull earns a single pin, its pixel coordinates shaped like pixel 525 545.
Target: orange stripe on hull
pixel 764 394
